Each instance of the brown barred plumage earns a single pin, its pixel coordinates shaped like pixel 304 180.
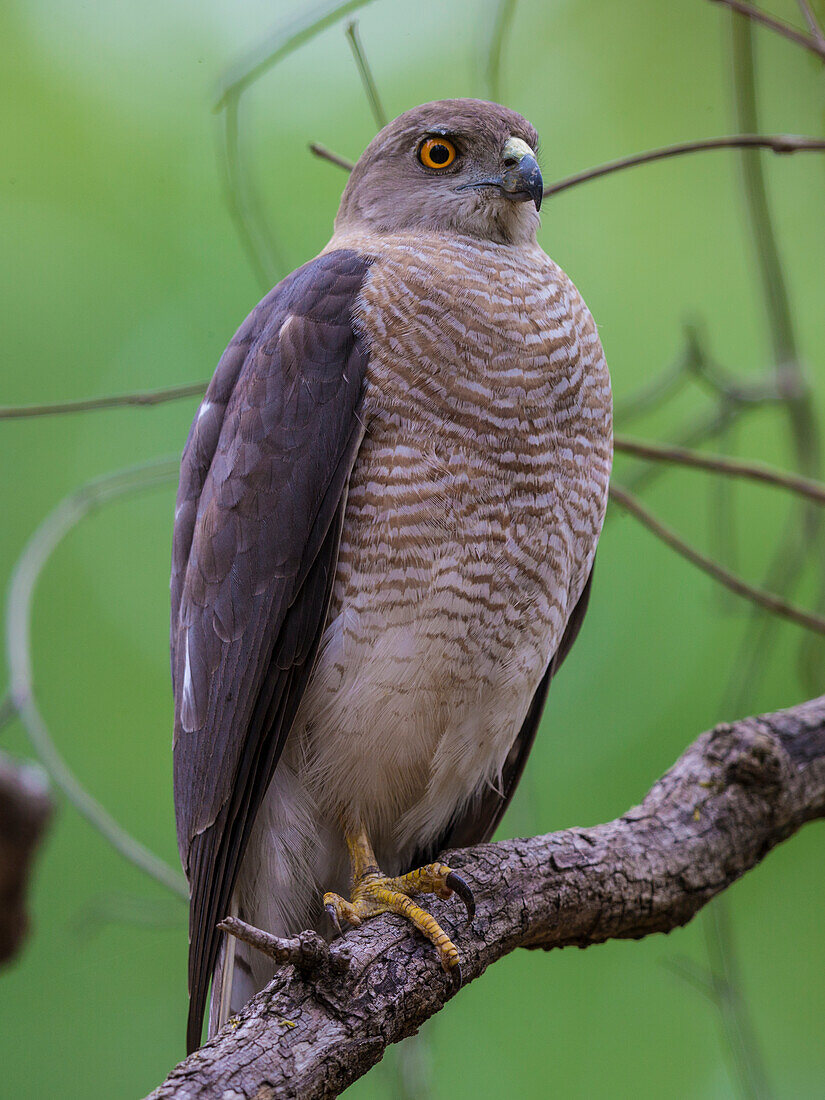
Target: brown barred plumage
pixel 469 527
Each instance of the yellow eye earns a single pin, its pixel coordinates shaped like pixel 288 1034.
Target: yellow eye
pixel 437 153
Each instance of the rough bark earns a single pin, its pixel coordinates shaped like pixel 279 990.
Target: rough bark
pixel 25 808
pixel 736 792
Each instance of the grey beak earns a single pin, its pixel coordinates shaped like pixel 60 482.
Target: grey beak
pixel 523 181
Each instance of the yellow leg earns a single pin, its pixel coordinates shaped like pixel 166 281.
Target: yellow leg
pixel 373 893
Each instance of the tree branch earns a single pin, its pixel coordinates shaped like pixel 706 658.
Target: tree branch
pixel 808 42
pixel 111 401
pixel 763 597
pixel 738 791
pixel 22 693
pixel 319 150
pixel 501 29
pixel 805 487
pixel 365 72
pixel 813 23
pixel 778 143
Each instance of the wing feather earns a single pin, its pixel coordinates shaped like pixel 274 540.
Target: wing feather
pixel 258 521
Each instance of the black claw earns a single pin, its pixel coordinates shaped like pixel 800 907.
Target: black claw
pixel 332 913
pixel 456 883
pixel 456 977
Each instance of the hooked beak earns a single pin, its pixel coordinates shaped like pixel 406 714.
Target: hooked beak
pixel 521 179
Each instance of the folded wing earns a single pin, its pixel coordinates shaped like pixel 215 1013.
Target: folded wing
pixel 257 527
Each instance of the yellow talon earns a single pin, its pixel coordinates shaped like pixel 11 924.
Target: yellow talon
pixel 373 893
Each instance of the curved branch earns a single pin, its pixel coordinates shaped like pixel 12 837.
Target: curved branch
pixel 738 791
pixel 769 601
pixel 777 143
pixel 812 42
pixel 760 472
pixel 113 401
pixel 18 644
pixel 365 72
pixel 501 29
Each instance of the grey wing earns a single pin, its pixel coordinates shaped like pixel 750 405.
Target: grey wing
pixel 257 528
pixel 481 818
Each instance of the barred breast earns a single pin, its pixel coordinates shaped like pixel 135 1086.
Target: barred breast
pixel 472 519
pixel 471 523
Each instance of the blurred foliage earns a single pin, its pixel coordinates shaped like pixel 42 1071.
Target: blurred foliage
pixel 123 272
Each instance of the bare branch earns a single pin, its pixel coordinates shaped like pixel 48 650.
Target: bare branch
pixel 650 395
pixel 802 531
pixel 92 404
pixel 286 38
pixel 726 984
pixel 720 464
pixel 812 21
pixel 239 196
pixel 18 647
pixel 776 296
pixel 333 158
pixel 128 909
pixel 364 71
pixel 306 951
pixel 25 810
pixel 778 143
pixel 769 601
pixel 241 199
pixel 735 793
pixel 785 29
pixel 498 38
pixel 7 712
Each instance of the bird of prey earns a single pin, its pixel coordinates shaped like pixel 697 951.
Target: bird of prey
pixel 388 511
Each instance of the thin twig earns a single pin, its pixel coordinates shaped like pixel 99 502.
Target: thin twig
pixel 364 71
pixel 770 601
pixel 777 25
pixel 730 1001
pixel 775 289
pixel 242 209
pixel 501 29
pixel 286 38
pixel 307 950
pixel 693 974
pixel 709 427
pixel 7 711
pixel 92 404
pixel 121 908
pixel 802 530
pixel 24 578
pixel 778 143
pixel 721 464
pixel 241 199
pixel 334 158
pixel 812 21
pixel 651 395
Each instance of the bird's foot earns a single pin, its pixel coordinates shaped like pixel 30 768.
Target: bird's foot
pixel 374 893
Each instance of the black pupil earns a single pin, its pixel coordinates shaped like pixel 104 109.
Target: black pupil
pixel 439 154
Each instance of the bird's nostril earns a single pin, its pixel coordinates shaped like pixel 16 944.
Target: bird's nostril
pixel 510 162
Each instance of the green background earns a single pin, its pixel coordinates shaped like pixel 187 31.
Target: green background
pixel 122 271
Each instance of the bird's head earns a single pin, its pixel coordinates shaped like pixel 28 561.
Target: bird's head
pixel 455 165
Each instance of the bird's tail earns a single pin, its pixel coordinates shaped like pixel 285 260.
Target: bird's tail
pixel 233 983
